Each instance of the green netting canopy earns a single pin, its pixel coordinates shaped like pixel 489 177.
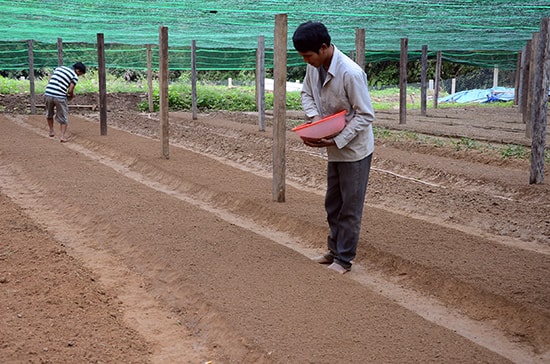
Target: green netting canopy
pixel 480 32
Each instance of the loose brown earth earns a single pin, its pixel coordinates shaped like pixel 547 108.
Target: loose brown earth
pixel 111 254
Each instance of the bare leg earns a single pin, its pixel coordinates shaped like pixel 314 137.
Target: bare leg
pixel 63 128
pixel 50 124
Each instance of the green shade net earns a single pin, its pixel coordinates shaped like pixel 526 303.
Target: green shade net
pixel 484 33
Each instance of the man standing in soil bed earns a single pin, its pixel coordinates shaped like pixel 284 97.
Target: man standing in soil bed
pixel 59 90
pixel 333 83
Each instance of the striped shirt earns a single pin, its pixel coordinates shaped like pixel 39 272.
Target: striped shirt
pixel 59 83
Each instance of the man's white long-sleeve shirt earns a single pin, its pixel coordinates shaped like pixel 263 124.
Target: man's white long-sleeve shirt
pixel 344 88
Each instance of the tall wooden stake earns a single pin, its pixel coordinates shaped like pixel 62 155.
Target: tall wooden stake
pixel 194 78
pixel 102 83
pixel 279 107
pixel 437 78
pixel 541 81
pixel 163 90
pixel 31 76
pixel 403 81
pixel 59 52
pixel 517 82
pixel 424 80
pixel 360 47
pixel 525 71
pixel 150 78
pixel 533 71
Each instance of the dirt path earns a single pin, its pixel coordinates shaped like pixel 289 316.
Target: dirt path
pixel 110 253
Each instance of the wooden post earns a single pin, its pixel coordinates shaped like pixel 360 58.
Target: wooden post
pixel 424 80
pixel 360 47
pixel 527 117
pixel 260 82
pixel 517 81
pixel 437 78
pixel 194 78
pixel 163 90
pixel 495 76
pixel 59 52
pixel 403 81
pixel 102 83
pixel 539 108
pixel 150 78
pixel 31 76
pixel 525 71
pixel 279 107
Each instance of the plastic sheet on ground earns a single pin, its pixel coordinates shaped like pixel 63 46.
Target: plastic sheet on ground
pixel 481 95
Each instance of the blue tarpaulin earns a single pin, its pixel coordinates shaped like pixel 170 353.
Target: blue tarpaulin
pixel 477 95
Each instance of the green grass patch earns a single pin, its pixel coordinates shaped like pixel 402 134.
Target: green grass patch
pixel 87 83
pixel 466 144
pixel 517 152
pixel 243 98
pixel 217 97
pixel 450 105
pixel 11 86
pixel 211 98
pixel 504 152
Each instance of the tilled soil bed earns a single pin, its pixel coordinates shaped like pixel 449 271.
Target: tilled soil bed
pixel 111 253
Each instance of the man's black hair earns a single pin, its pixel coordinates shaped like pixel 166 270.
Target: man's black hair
pixel 80 66
pixel 310 36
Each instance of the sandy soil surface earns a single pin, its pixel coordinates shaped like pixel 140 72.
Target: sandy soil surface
pixel 110 253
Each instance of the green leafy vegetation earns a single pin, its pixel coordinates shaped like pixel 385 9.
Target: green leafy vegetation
pixel 13 86
pixel 213 89
pixel 503 104
pixel 465 144
pixel 213 96
pixel 218 98
pixel 86 84
pixel 504 152
pixel 518 152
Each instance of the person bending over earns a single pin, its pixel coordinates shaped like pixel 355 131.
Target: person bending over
pixel 333 82
pixel 59 90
